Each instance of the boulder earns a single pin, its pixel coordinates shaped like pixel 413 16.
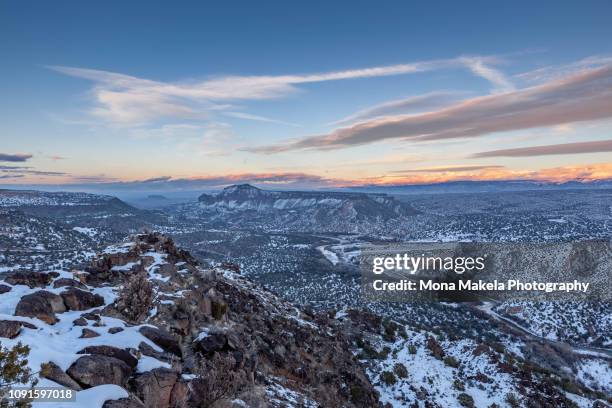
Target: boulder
pixel 9 328
pixel 4 289
pixel 80 322
pixel 28 278
pixel 76 299
pixel 114 330
pixel 154 388
pixel 88 334
pixel 42 305
pixel 212 342
pixel 180 394
pixel 149 351
pixel 92 370
pixel 54 373
pixel 91 316
pixel 162 338
pixel 62 282
pixel 111 351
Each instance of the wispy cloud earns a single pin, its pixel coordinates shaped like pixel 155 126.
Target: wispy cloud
pixel 18 157
pixel 447 169
pixel 257 118
pixel 479 67
pixel 125 99
pixel 585 96
pixel 564 148
pixel 412 104
pixel 167 183
pixel 552 72
pixel 26 170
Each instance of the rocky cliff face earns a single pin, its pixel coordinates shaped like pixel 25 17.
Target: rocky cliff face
pixel 143 325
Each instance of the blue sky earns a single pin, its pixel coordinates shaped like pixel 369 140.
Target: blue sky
pixel 280 92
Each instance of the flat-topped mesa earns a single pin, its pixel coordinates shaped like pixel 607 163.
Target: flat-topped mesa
pixel 245 197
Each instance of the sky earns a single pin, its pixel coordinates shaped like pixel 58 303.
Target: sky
pixel 189 95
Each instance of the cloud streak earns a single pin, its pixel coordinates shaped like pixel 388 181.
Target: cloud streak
pixel 451 169
pixel 417 103
pixel 125 99
pixel 6 157
pixel 581 97
pixel 556 149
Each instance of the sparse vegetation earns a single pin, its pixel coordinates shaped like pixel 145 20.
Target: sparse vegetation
pixel 388 378
pixel 14 371
pixel 136 298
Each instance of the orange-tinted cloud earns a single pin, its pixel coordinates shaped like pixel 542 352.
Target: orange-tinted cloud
pixel 586 173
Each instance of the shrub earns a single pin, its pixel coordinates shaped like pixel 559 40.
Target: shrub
pixel 451 361
pixel 14 370
pixel 412 349
pixel 388 378
pixel 136 298
pixel 465 400
pixel 218 309
pixel 459 385
pixel 512 400
pixel 400 370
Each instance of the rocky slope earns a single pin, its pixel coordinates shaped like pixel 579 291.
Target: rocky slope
pixel 206 336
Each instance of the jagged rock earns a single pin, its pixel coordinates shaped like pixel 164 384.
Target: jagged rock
pixel 212 342
pixel 91 316
pixel 53 372
pixel 110 351
pixel 88 334
pixel 179 396
pixel 42 305
pixel 123 403
pixel 162 338
pixel 76 299
pixel 9 328
pixel 4 289
pixel 62 282
pixel 114 330
pixel 154 388
pixel 93 370
pixel 80 322
pixel 149 351
pixel 28 278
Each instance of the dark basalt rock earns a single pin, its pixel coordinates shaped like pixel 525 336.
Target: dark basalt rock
pixel 62 282
pixel 42 305
pixel 111 351
pixel 154 388
pixel 4 289
pixel 213 342
pixel 88 334
pixel 76 299
pixel 29 278
pixel 9 328
pixel 54 373
pixel 162 338
pixel 93 370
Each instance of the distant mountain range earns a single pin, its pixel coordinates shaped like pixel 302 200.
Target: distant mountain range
pixel 481 187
